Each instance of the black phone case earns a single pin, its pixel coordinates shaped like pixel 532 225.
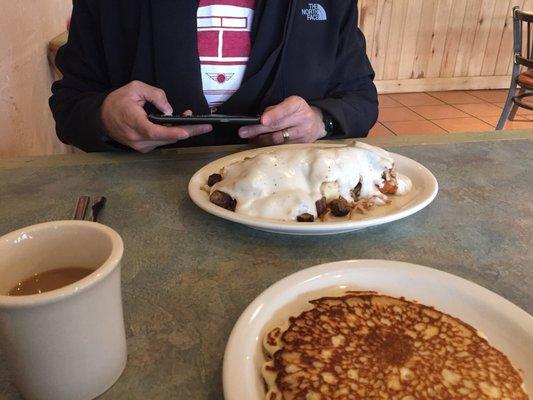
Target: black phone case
pixel 239 120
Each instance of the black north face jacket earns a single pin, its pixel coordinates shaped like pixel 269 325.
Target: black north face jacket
pixel 309 48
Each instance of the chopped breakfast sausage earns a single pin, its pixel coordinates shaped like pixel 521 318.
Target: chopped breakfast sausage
pixel 223 200
pixel 339 207
pixel 390 184
pixel 321 206
pixel 305 218
pixel 214 178
pixel 389 187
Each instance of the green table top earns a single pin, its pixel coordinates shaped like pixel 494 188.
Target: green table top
pixel 187 275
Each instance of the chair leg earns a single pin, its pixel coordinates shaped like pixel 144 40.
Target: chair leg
pixel 507 108
pixel 512 115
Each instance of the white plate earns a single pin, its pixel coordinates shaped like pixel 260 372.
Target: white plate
pixel 508 328
pixel 424 190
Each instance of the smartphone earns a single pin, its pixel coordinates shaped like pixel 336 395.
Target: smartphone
pixel 215 119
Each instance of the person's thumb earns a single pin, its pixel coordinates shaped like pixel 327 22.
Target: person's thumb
pixel 155 96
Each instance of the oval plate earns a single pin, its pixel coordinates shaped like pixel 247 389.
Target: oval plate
pixel 424 190
pixel 507 327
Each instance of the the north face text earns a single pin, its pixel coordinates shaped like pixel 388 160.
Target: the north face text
pixel 315 12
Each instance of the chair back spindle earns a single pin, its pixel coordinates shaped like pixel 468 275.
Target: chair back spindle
pixel 522 76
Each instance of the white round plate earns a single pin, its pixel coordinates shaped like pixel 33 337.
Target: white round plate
pixel 424 190
pixel 507 327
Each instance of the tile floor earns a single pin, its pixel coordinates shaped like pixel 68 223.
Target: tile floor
pixel 435 113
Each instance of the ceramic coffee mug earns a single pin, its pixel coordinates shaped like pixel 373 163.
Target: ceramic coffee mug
pixel 68 343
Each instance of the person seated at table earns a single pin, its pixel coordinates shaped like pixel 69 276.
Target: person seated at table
pixel 302 66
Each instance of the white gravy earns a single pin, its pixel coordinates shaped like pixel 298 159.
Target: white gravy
pixel 285 183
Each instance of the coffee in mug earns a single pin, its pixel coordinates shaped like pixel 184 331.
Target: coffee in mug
pixel 49 280
pixel 68 342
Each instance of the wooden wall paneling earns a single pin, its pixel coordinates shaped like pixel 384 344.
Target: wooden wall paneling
pixel 395 42
pixel 440 84
pixel 440 44
pixel 470 26
pixel 481 37
pixel 381 35
pixel 500 19
pixel 26 124
pixel 410 35
pixel 368 10
pixel 438 40
pixel 528 5
pixel 425 34
pixel 504 62
pixel 453 38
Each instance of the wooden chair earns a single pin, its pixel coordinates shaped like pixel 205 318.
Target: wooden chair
pixel 53 47
pixel 522 59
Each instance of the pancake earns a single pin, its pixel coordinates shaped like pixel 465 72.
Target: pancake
pixel 369 346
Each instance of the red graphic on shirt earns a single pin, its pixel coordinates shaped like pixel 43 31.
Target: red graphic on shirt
pixel 236 44
pixel 224 45
pixel 220 78
pixel 208 43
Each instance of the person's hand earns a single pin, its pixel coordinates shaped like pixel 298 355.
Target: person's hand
pixel 300 122
pixel 125 120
